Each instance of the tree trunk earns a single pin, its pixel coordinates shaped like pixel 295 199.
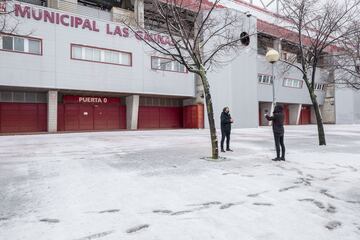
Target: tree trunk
pixel 319 121
pixel 210 112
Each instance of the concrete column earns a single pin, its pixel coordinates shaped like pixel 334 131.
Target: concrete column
pixel 132 112
pixel 328 110
pixel 199 93
pixel 139 12
pixel 294 114
pixel 52 110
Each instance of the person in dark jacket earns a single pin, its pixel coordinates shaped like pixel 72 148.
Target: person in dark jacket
pixel 278 128
pixel 226 122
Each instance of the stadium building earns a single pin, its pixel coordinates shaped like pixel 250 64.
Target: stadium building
pixel 72 66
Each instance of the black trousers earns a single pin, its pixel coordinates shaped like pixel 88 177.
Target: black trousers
pixel 225 134
pixel 279 141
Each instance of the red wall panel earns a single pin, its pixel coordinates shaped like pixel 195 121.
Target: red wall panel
pixel 42 117
pixel 78 116
pixel 86 117
pixel 160 117
pixel 122 117
pixel 113 117
pixel 171 117
pixel 100 117
pixel 106 117
pixel 61 117
pixel 305 115
pixel 71 113
pixel 193 116
pixel 149 117
pixel 23 117
pixel 287 114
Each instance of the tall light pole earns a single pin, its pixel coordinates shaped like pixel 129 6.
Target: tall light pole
pixel 272 56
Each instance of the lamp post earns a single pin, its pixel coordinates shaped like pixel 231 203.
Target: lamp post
pixel 272 56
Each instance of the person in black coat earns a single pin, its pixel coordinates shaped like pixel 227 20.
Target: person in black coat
pixel 226 122
pixel 278 128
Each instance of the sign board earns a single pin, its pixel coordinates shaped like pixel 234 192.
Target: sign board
pixel 90 100
pixel 77 22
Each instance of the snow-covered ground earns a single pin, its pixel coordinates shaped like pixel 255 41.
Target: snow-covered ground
pixel 153 185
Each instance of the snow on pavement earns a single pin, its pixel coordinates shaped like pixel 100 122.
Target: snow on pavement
pixel 154 185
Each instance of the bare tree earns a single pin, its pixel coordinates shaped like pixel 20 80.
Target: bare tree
pixel 203 35
pixel 6 11
pixel 347 62
pixel 319 27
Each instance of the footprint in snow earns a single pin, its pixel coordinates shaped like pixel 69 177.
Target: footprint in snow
pixel 230 173
pixel 228 205
pixel 333 225
pixel 263 204
pixel 110 211
pixel 325 192
pixel 49 220
pixel 287 188
pixel 206 204
pixel 96 235
pixel 254 195
pixel 137 228
pixel 162 211
pixel 331 209
pixel 317 203
pixel 181 212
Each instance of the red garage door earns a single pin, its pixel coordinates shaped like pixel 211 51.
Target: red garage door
pixel 305 115
pixel 96 114
pixel 109 117
pixel 160 117
pixel 23 117
pixel 71 116
pixel 193 116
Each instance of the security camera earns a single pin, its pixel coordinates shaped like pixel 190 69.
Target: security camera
pixel 248 14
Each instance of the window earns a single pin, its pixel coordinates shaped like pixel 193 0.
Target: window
pixel 165 64
pixel 319 86
pixel 157 102
pixel 97 55
pixel 7 43
pixel 34 46
pixel 27 97
pixel 89 54
pixel 293 83
pixel 20 44
pixel 115 57
pixel 77 52
pixel 94 54
pixel 265 79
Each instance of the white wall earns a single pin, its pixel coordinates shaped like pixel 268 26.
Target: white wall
pixel 56 70
pixel 235 85
pixel 285 94
pixel 347 104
